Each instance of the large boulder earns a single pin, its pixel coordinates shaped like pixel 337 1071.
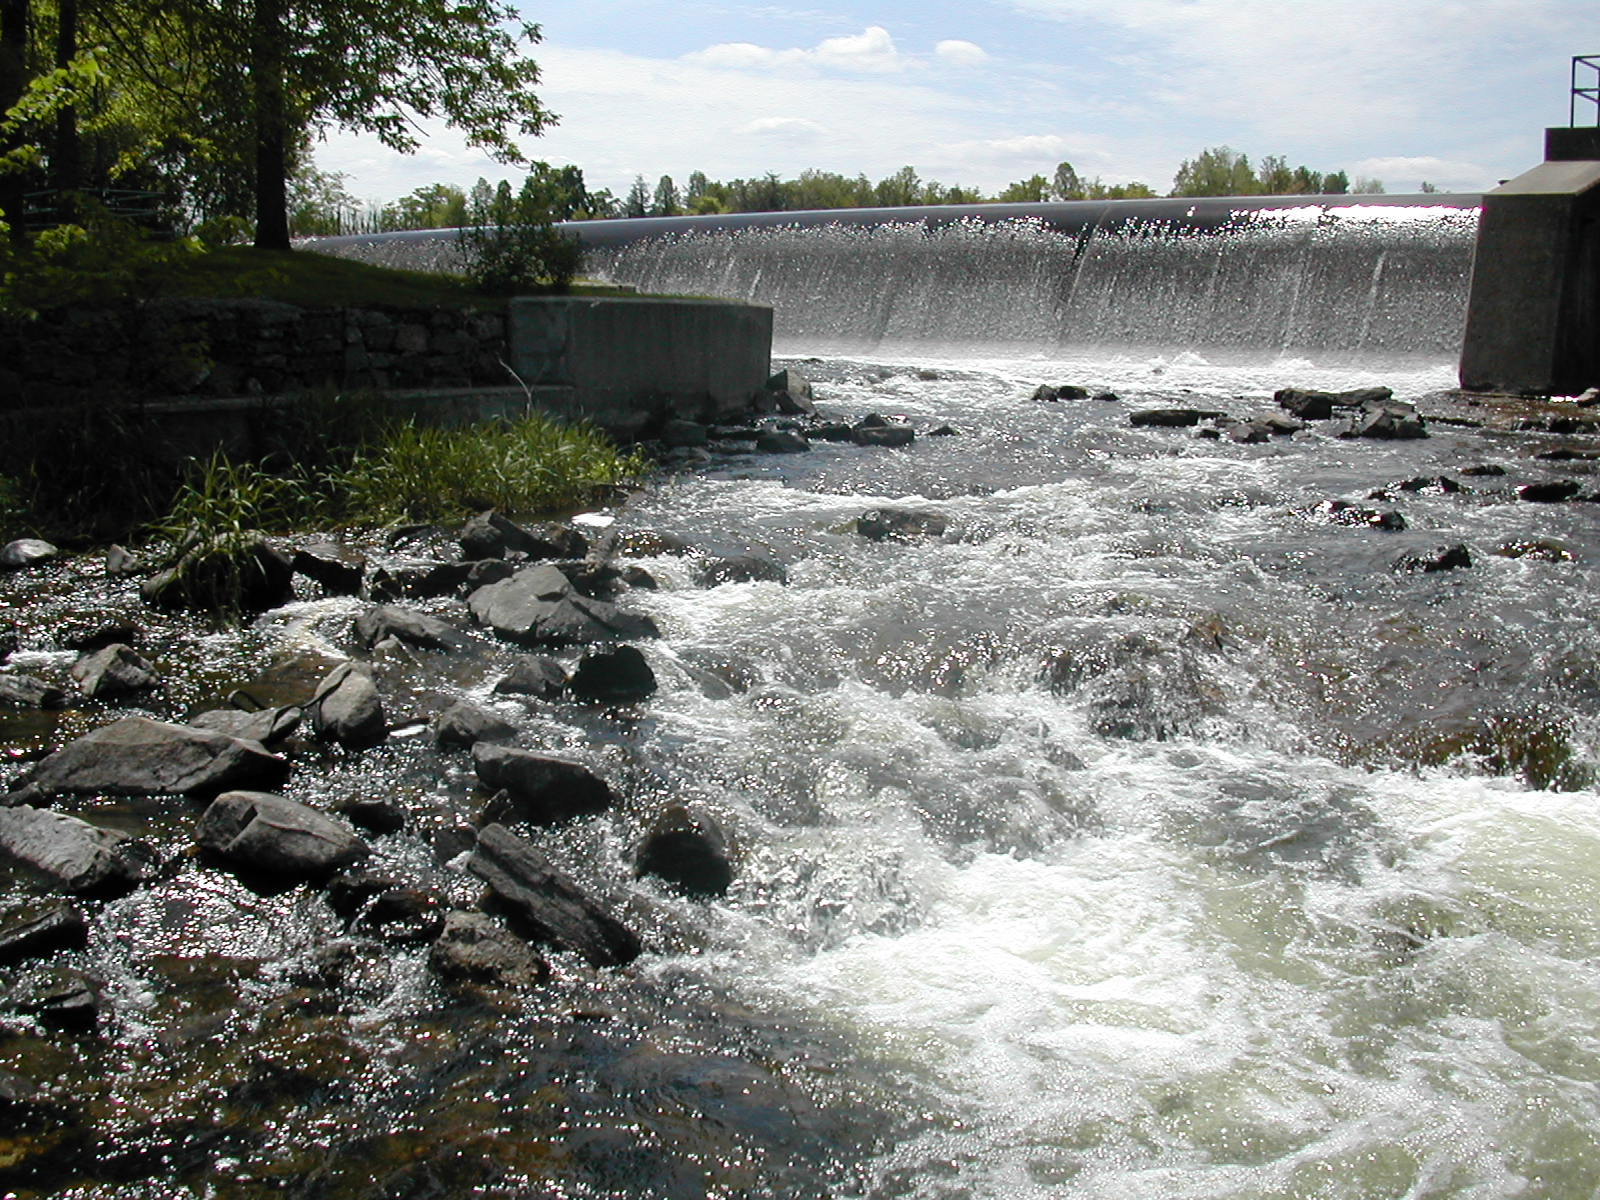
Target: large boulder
pixel 113 673
pixel 551 908
pixel 791 392
pixel 890 436
pixel 82 857
pixel 493 535
pixel 475 948
pixel 269 726
pixel 536 676
pixel 687 851
pixel 265 832
pixel 620 676
pixel 227 573
pixel 540 606
pixel 543 790
pixel 140 757
pixel 338 570
pixel 463 725
pixel 347 709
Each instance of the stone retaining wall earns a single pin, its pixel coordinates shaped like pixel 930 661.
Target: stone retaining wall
pixel 215 348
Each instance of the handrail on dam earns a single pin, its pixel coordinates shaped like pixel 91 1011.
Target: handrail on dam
pixel 1591 94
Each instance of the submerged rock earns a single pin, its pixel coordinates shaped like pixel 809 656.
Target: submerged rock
pixel 265 832
pixel 543 790
pixel 347 708
pixel 1346 512
pixel 24 691
pixel 538 676
pixel 900 524
pixel 113 673
pixel 620 676
pixel 1172 418
pixel 781 441
pixel 60 997
pixel 1538 549
pixel 463 725
pixel 83 858
pixel 540 606
pixel 551 908
pixel 741 568
pixel 1443 558
pixel 886 435
pixel 138 756
pixel 687 851
pixel 1554 492
pixel 475 948
pixel 39 933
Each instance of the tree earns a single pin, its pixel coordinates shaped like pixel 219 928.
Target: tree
pixel 1217 171
pixel 1428 189
pixel 1336 184
pixel 1026 191
pixel 638 202
pixel 1066 185
pixel 665 201
pixel 1366 186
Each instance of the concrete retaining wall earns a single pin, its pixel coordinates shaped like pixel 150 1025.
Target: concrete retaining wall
pixel 631 362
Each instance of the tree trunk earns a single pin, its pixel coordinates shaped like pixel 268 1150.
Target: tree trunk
pixel 66 159
pixel 14 16
pixel 272 122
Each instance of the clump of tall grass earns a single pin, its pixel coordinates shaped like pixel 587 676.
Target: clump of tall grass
pixel 407 472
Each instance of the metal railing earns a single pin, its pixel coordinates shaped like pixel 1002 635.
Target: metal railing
pixel 1591 94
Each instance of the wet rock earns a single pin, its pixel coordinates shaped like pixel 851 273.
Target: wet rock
pixel 8 642
pixel 742 568
pixel 540 606
pixel 1538 549
pixel 831 431
pixel 1282 426
pixel 463 725
pixel 83 858
pixel 652 543
pixel 680 435
pixel 782 441
pixel 406 625
pixel 1442 558
pixel 792 393
pixel 493 535
pixel 1047 394
pixel 347 709
pixel 900 524
pixel 375 903
pixel 688 851
pixel 546 791
pixel 1391 423
pixel 1250 433
pixel 1172 418
pixel 638 577
pixel 269 726
pixel 475 948
pixel 26 552
pixel 223 574
pixel 1345 512
pixel 944 431
pixel 61 998
pixel 24 691
pixel 97 633
pixel 40 933
pixel 1549 493
pixel 113 673
pixel 537 676
pixel 1565 455
pixel 1426 485
pixel 265 832
pixel 375 816
pixel 1312 405
pixel 620 676
pixel 338 570
pixel 1483 469
pixel 138 756
pixel 887 436
pixel 486 571
pixel 549 906
pixel 120 563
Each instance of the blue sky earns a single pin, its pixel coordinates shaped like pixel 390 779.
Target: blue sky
pixel 1456 92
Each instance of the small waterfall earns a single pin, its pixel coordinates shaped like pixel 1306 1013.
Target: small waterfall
pixel 1388 279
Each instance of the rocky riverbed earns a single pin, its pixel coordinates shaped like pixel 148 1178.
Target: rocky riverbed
pixel 424 879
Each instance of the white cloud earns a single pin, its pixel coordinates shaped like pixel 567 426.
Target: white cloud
pixel 1407 174
pixel 871 51
pixel 961 54
pixel 783 127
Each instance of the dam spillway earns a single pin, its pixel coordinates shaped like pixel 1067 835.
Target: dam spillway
pixel 1339 277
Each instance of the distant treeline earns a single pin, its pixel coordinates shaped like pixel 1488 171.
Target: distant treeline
pixel 321 205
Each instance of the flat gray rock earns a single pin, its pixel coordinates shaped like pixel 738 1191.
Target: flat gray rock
pixel 82 857
pixel 539 606
pixel 543 790
pixel 407 625
pixel 475 948
pixel 463 725
pixel 347 709
pixel 270 833
pixel 26 552
pixel 114 672
pixel 549 905
pixel 140 757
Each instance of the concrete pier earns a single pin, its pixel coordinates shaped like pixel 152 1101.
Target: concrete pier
pixel 1533 317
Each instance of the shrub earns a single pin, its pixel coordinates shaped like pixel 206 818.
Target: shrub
pixel 512 245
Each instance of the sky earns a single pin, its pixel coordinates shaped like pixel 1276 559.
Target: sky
pixel 983 92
